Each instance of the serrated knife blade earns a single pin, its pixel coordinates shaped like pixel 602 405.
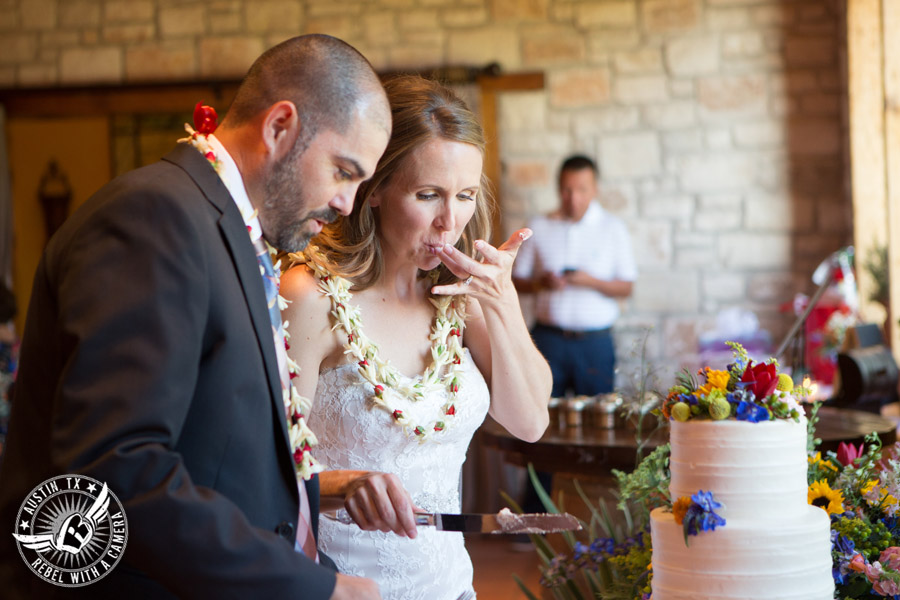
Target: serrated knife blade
pixel 504 522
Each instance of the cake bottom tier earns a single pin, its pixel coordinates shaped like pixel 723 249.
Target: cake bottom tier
pixel 749 560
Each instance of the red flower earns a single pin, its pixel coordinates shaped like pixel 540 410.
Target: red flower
pixel 439 426
pixel 451 410
pixel 378 390
pixel 363 363
pixel 762 377
pixel 419 431
pixel 397 414
pixel 298 456
pixel 847 453
pixel 210 156
pixel 205 118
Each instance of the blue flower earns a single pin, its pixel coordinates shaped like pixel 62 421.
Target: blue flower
pixel 580 550
pixel 843 549
pixel 705 501
pixel 603 545
pixel 700 515
pixel 754 413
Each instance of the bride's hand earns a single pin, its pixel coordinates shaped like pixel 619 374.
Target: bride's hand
pixel 491 277
pixel 378 501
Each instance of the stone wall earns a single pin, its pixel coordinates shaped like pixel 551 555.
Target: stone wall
pixel 718 124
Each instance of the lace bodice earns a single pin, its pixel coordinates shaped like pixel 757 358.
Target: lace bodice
pixel 353 434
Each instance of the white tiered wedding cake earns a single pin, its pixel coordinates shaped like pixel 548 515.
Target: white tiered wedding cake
pixel 773 544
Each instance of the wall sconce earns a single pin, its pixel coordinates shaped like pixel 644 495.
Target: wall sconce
pixel 55 193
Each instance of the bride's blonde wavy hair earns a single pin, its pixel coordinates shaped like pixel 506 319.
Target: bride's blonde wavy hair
pixel 422 110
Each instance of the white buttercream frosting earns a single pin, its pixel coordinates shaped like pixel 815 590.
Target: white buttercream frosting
pixel 774 544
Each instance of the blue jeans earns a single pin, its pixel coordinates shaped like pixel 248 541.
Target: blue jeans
pixel 583 362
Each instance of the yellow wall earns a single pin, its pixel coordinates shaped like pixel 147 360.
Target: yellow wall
pixel 81 148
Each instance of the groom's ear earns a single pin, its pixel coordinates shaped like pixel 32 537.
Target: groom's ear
pixel 280 127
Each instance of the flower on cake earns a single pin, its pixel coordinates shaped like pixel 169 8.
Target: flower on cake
pixel 697 513
pixel 745 391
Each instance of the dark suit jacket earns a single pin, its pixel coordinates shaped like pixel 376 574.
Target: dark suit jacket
pixel 148 363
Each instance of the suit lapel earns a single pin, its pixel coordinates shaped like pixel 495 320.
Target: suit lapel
pixel 234 232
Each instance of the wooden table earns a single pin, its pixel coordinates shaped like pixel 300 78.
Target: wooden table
pixel 591 451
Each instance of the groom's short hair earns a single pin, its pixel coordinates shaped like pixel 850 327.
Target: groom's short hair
pixel 323 76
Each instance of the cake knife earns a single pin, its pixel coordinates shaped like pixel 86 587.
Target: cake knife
pixel 505 522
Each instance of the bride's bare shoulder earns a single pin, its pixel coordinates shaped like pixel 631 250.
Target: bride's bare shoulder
pixel 308 308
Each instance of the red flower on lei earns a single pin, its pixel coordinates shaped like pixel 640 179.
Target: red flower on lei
pixel 205 118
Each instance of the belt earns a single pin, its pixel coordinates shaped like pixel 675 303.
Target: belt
pixel 574 334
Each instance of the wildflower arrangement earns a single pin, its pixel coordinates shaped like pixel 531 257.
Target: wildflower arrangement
pixel 744 391
pixel 859 487
pixel 610 558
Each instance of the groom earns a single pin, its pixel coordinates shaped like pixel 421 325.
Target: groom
pixel 148 360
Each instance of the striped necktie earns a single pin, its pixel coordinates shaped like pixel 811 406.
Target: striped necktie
pixel 305 540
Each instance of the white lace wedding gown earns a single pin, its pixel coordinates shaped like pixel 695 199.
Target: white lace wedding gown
pixel 355 435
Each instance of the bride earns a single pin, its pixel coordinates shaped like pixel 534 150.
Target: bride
pixel 408 285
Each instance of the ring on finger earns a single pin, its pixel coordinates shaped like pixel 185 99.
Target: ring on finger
pixel 468 280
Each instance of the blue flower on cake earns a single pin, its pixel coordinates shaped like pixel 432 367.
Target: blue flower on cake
pixel 697 513
pixel 749 411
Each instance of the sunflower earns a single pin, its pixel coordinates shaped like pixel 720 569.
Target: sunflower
pixel 820 494
pixel 680 508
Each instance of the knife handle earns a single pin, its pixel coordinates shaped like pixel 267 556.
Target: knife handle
pixel 425 519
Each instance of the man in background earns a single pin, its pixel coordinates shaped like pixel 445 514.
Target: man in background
pixel 579 264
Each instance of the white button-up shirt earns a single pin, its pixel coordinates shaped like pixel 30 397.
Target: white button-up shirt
pixel 598 244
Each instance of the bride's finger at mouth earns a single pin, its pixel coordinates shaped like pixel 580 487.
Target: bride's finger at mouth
pixel 459 264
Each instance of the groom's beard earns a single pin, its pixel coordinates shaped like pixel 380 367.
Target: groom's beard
pixel 285 219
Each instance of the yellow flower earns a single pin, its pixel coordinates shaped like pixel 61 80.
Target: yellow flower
pixel 718 379
pixel 680 508
pixel 817 459
pixel 884 496
pixel 820 494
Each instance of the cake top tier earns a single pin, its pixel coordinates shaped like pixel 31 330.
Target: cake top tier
pixel 745 391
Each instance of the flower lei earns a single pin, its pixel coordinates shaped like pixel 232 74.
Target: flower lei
pixel 296 406
pixel 387 383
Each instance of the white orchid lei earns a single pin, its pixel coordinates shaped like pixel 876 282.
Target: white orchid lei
pixel 296 406
pixel 387 383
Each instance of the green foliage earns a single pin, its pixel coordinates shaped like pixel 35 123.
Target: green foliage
pixel 647 487
pixel 610 558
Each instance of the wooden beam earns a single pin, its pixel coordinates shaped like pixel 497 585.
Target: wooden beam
pixel 891 20
pixel 490 86
pixel 131 99
pixel 867 147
